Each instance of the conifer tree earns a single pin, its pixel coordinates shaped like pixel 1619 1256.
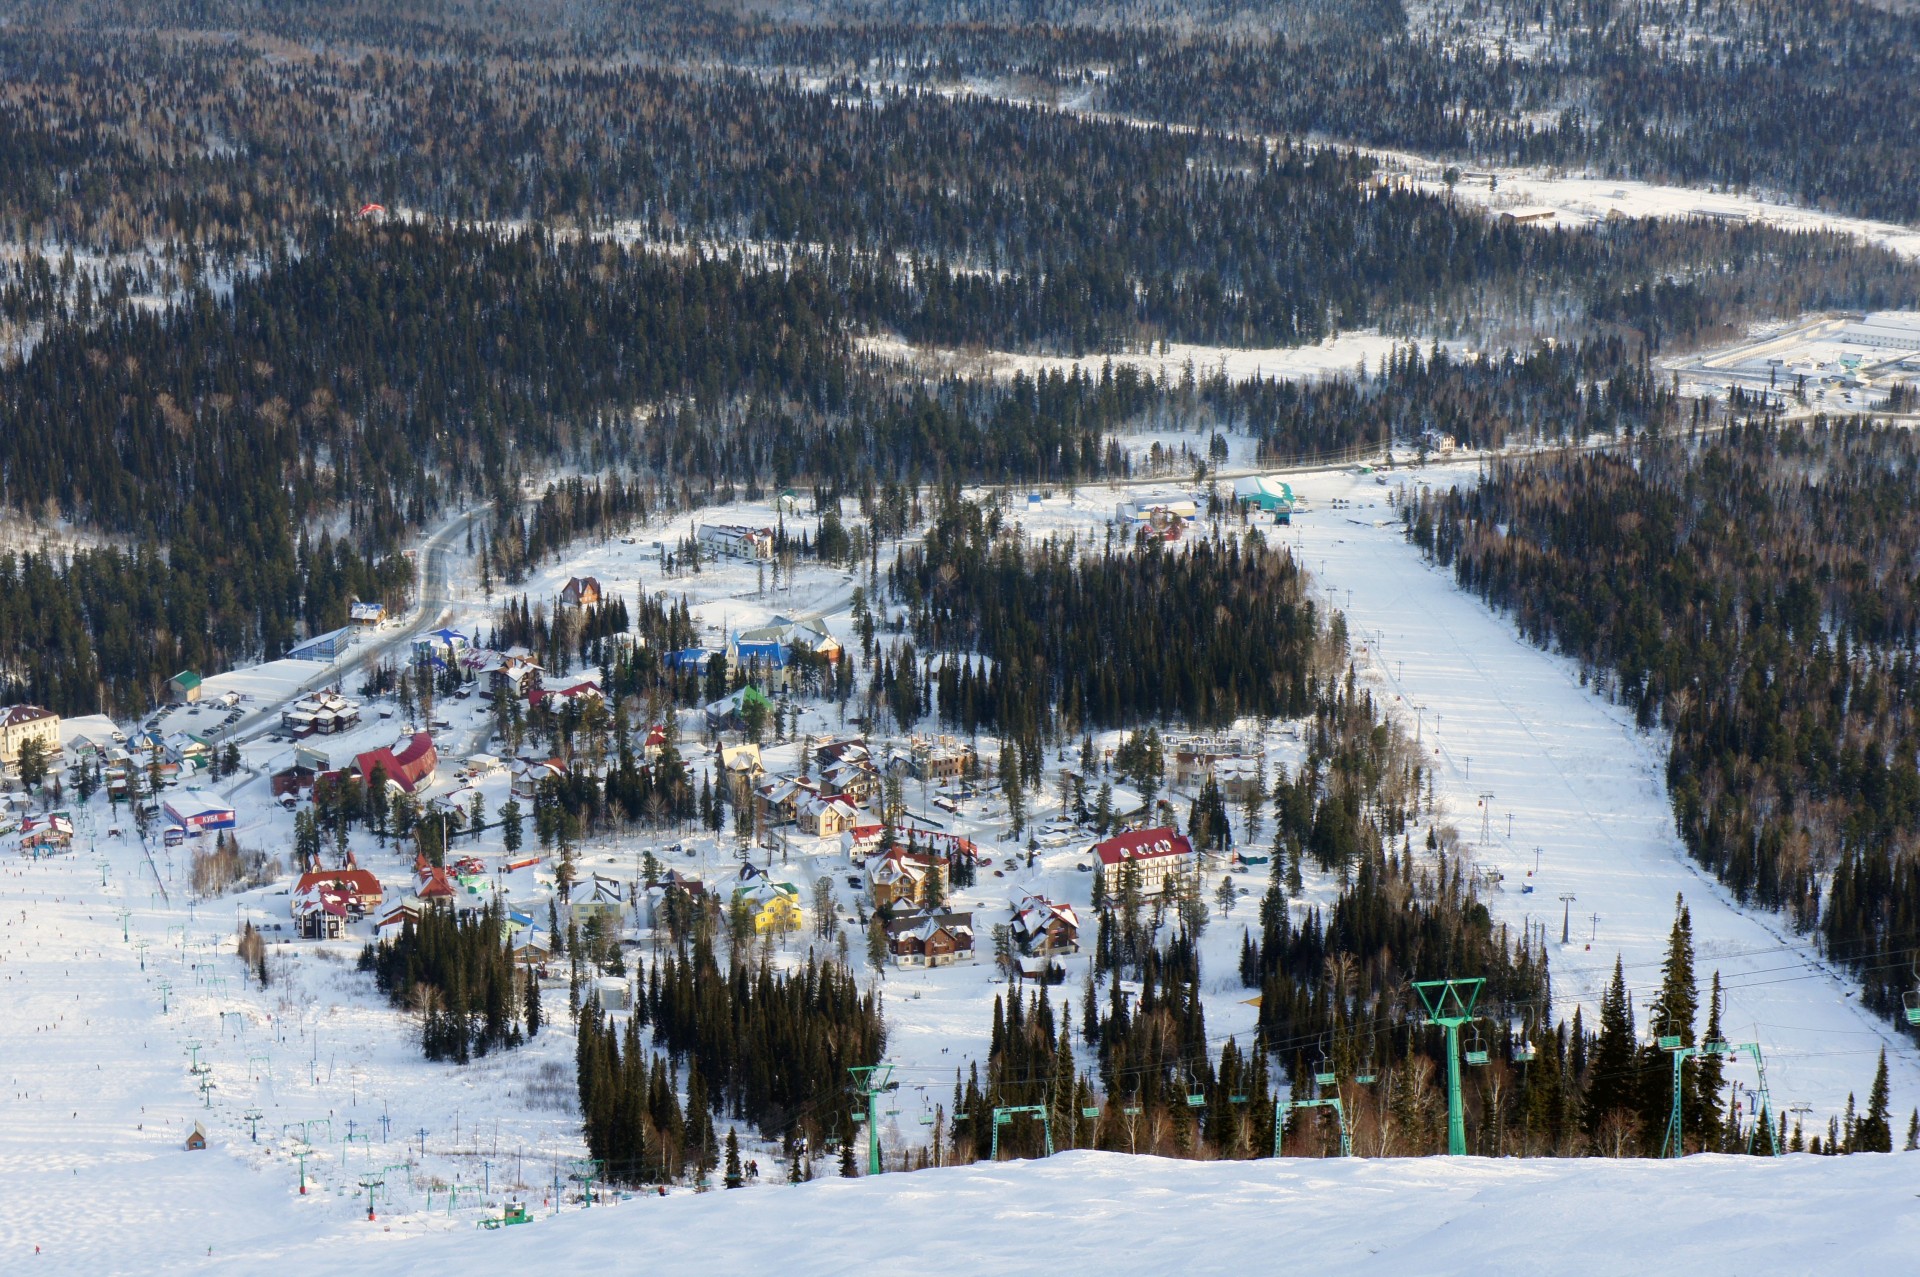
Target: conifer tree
pixel 1610 1087
pixel 1873 1134
pixel 735 1177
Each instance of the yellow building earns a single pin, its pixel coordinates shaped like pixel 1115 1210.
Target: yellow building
pixel 22 723
pixel 775 907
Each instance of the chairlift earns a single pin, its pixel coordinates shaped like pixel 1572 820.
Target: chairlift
pixel 1196 1098
pixel 1523 1051
pixel 1668 1042
pixel 1911 1000
pixel 1324 1073
pixel 926 1119
pixel 1366 1075
pixel 1090 1110
pixel 1475 1051
pixel 1236 1098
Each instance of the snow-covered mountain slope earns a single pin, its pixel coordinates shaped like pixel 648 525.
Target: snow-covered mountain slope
pixel 1112 1214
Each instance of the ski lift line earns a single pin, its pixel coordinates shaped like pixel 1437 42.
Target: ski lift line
pixel 1384 1023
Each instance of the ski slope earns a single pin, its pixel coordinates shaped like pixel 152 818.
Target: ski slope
pixel 1578 780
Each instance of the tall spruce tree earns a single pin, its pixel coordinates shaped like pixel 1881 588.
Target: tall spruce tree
pixel 1874 1133
pixel 1610 1086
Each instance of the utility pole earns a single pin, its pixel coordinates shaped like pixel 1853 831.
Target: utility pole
pixel 1449 1004
pixel 1566 913
pixel 871 1079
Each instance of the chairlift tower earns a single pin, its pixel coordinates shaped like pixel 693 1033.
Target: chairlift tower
pixel 871 1079
pixel 1003 1115
pixel 1672 1145
pixel 1449 1003
pixel 1283 1109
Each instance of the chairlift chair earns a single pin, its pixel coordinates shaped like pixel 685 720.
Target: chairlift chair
pixel 1090 1110
pixel 1911 1001
pixel 1196 1098
pixel 1475 1051
pixel 1523 1051
pixel 1366 1076
pixel 1668 1042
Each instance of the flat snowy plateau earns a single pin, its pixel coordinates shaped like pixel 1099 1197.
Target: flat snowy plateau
pixel 1110 1213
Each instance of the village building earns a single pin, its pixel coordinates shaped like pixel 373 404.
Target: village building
pixel 931 940
pixel 359 888
pixel 22 723
pixel 1159 856
pixel 778 799
pixel 732 541
pixel 1266 494
pixel 324 647
pixel 556 699
pixel 1045 927
pixel 507 675
pixel 320 715
pixel 183 688
pixel 1228 756
pixel 410 768
pixel 826 815
pixel 581 591
pixel 599 901
pixel 198 812
pixel 359 613
pixel 773 906
pixel 729 713
pixel 319 912
pixel 903 876
pixel 740 769
pixel 939 761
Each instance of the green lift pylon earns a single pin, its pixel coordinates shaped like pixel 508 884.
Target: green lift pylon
pixel 1283 1110
pixel 1003 1116
pixel 1673 1145
pixel 1449 1004
pixel 872 1081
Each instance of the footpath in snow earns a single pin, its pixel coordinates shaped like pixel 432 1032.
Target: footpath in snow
pixel 1578 781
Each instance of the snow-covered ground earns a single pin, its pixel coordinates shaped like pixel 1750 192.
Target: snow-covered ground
pixel 1108 1213
pixel 102 1095
pixel 1337 355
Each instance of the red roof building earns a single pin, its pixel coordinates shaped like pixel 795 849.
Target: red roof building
pixel 412 768
pixel 1159 855
pixel 359 886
